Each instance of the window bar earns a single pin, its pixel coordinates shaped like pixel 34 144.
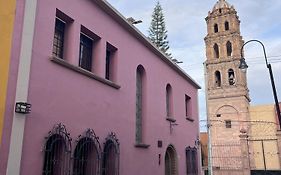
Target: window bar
pixel 57 151
pixel 86 152
pixel 58 42
pixel 111 155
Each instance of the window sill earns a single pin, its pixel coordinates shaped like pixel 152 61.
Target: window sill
pixel 189 119
pixel 141 145
pixel 83 72
pixel 170 119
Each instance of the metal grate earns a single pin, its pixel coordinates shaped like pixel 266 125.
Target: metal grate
pixel 191 161
pixel 87 154
pixel 58 42
pixel 111 153
pixel 85 54
pixel 57 151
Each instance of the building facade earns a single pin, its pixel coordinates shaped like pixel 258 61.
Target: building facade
pixel 7 17
pixel 104 100
pixel 263 138
pixel 204 152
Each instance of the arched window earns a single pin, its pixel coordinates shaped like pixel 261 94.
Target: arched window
pixel 87 154
pixel 226 25
pixel 216 28
pixel 216 51
pixel 229 48
pixel 218 79
pixel 231 77
pixel 171 161
pixel 139 103
pixel 191 161
pixel 110 163
pixel 169 101
pixel 57 151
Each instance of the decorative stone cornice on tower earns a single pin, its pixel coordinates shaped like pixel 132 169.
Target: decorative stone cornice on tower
pixel 221 8
pixel 221 4
pixel 223 12
pixel 223 43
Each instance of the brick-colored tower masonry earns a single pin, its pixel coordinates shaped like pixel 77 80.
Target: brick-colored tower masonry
pixel 226 86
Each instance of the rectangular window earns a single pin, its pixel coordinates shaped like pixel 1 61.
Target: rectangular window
pixel 188 161
pixel 191 161
pixel 58 42
pixel 188 107
pixel 194 161
pixel 109 62
pixel 85 53
pixel 228 123
pixel 61 34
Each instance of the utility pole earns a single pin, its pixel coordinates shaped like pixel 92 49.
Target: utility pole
pixel 210 170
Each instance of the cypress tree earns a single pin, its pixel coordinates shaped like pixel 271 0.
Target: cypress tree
pixel 157 30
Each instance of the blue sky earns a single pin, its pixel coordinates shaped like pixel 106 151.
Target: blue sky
pixel 185 22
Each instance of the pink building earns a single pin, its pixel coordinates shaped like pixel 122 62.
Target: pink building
pixel 105 101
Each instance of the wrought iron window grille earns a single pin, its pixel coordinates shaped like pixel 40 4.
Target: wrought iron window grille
pixel 57 151
pixel 111 152
pixel 58 42
pixel 191 161
pixel 87 154
pixel 88 159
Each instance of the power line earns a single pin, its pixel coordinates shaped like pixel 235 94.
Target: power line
pixel 263 57
pixel 250 59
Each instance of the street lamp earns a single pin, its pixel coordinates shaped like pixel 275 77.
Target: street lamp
pixel 243 66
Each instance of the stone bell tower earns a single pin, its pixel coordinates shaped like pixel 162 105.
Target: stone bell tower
pixel 226 86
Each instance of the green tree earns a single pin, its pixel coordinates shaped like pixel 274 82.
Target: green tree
pixel 157 30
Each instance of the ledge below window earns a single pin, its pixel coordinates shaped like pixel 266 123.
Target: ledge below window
pixel 189 119
pixel 83 71
pixel 141 145
pixel 171 119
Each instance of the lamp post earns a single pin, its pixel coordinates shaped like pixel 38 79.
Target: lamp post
pixel 243 66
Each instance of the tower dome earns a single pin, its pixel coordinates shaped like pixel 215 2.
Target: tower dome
pixel 221 4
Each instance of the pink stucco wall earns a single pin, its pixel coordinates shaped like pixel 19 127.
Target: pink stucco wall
pixel 60 95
